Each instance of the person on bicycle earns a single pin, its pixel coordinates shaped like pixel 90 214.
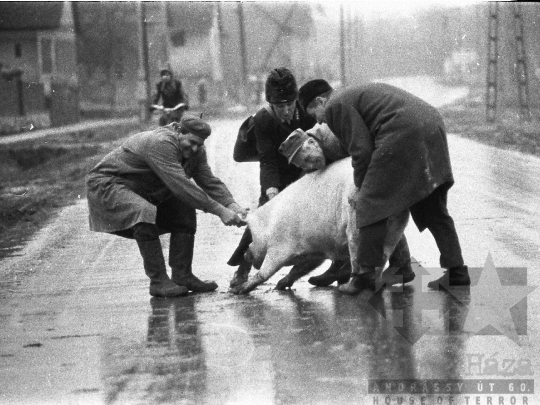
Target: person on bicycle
pixel 174 99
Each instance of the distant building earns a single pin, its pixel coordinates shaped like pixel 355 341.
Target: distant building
pixel 38 56
pixel 206 45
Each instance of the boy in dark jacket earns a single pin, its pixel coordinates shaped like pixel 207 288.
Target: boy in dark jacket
pixel 174 100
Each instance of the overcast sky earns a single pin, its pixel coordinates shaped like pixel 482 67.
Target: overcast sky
pixel 369 9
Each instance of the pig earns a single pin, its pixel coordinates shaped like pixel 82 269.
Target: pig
pixel 308 222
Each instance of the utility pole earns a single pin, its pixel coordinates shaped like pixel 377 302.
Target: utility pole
pixel 342 45
pixel 243 53
pixel 521 66
pixel 493 56
pixel 144 61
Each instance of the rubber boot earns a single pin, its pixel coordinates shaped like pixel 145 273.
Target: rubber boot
pixel 241 274
pixel 339 271
pixel 180 260
pixel 366 280
pixel 400 259
pixel 154 267
pixel 453 277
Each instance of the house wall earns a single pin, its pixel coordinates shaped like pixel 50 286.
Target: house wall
pixel 193 59
pixel 28 61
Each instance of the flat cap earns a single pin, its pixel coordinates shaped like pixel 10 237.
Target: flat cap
pixel 195 125
pixel 312 89
pixel 290 146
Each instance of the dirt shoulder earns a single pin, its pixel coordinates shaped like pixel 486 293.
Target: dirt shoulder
pixel 467 118
pixel 40 177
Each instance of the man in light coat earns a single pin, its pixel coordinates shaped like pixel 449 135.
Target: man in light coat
pixel 143 189
pixel 401 161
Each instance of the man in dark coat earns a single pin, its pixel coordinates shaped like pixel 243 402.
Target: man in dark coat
pixel 401 161
pixel 174 99
pixel 272 126
pixel 313 150
pixel 143 189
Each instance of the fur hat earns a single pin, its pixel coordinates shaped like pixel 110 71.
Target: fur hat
pixel 281 86
pixel 312 89
pixel 195 125
pixel 290 146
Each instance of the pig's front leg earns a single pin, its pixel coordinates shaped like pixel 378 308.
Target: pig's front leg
pixel 269 267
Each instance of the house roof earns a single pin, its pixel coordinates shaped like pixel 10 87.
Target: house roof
pixel 30 15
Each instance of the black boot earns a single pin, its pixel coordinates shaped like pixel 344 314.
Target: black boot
pixel 154 267
pixel 360 281
pixel 400 259
pixel 453 277
pixel 180 259
pixel 241 274
pixel 339 271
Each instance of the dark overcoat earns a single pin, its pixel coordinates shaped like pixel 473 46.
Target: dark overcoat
pixel 397 143
pixel 275 170
pixel 171 94
pixel 126 186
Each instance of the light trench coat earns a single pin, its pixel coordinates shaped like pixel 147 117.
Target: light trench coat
pixel 125 187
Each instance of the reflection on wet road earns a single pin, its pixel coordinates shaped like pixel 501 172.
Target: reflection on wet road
pixel 313 346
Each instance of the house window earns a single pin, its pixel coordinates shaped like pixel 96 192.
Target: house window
pixel 46 56
pixel 18 50
pixel 178 38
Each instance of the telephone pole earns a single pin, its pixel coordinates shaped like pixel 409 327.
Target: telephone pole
pixel 145 115
pixel 493 57
pixel 243 54
pixel 521 66
pixel 342 45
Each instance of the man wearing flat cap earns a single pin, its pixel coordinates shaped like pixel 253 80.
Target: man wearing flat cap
pixel 400 161
pixel 143 189
pixel 313 150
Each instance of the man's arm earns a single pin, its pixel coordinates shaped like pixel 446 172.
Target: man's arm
pixel 156 97
pixel 161 157
pixel 181 95
pixel 209 183
pixel 347 123
pixel 268 153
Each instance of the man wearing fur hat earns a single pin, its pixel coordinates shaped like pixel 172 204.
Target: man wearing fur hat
pixel 272 126
pixel 143 189
pixel 401 161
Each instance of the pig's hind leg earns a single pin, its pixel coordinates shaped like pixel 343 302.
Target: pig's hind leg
pixel 306 265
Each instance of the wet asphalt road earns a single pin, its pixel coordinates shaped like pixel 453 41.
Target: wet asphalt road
pixel 77 325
